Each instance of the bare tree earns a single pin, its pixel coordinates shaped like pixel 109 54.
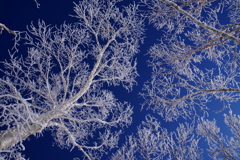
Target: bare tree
pixel 154 142
pixel 221 146
pixel 58 85
pixel 196 62
pixel 197 58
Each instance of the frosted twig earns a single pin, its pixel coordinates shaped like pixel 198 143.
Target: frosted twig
pixel 15 33
pixel 38 5
pixel 202 24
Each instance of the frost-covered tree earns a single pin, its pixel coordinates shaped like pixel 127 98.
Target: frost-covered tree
pixel 222 146
pixel 154 142
pixel 59 84
pixel 195 62
pixel 197 58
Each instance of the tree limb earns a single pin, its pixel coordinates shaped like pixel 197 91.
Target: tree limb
pixel 200 23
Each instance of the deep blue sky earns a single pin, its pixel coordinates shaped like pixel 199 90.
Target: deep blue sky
pixel 16 15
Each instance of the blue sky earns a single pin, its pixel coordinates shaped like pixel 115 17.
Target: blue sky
pixel 16 15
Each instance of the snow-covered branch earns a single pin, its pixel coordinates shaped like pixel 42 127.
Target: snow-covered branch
pixel 60 81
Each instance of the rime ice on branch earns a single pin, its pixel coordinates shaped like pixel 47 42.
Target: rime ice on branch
pixel 58 86
pixel 196 60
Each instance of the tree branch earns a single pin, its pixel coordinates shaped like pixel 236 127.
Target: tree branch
pixel 202 24
pixel 2 27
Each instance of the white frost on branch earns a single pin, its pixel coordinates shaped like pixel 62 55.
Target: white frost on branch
pixel 154 142
pixel 196 60
pixel 221 146
pixel 58 86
